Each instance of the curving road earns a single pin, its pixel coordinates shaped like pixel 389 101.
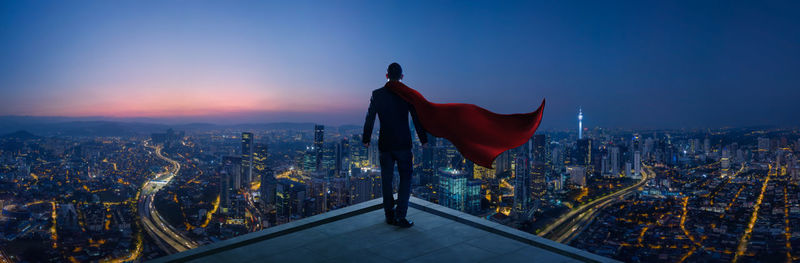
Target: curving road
pixel 167 238
pixel 564 227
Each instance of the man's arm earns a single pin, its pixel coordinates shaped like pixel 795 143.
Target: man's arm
pixel 369 123
pixel 421 134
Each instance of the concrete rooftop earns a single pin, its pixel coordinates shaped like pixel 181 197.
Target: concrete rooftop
pixel 358 233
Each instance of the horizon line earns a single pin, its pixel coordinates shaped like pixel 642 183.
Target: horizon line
pixel 175 120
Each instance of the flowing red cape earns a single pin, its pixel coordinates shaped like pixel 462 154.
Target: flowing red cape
pixel 480 135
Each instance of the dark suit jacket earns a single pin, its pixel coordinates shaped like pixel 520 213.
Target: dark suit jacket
pixel 393 113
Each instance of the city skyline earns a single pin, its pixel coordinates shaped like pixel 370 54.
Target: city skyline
pixel 663 65
pixel 204 131
pixel 723 195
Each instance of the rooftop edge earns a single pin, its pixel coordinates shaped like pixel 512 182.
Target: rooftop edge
pixel 375 204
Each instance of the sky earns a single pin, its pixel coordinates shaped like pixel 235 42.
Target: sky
pixel 661 64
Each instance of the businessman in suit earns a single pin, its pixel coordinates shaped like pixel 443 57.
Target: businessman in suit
pixel 394 144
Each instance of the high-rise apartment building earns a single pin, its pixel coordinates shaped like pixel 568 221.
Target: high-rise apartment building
pixel 522 185
pixel 247 157
pixel 230 181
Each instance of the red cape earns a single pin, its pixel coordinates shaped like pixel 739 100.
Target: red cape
pixel 480 135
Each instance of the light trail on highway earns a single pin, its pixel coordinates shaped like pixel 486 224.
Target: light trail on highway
pixel 167 238
pixel 578 218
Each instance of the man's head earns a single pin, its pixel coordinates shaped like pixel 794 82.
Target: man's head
pixel 394 72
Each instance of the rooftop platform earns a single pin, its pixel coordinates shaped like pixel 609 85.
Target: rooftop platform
pixel 358 233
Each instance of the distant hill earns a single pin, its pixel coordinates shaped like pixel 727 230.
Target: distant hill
pixel 21 135
pixel 101 126
pixel 276 125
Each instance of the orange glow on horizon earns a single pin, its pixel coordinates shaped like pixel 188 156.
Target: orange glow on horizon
pixel 187 100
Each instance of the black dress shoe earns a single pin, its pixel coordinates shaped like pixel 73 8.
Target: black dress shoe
pixel 404 223
pixel 390 218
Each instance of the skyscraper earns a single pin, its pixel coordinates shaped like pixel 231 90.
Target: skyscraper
pixel 358 153
pixel 362 187
pixel 428 176
pixel 328 159
pixel 340 153
pixel 268 185
pixel 613 153
pixel 452 189
pixel 319 134
pixel 309 158
pixel 260 154
pixel 538 180
pixel 264 173
pixel 503 164
pixel 577 174
pixel 580 123
pixel 725 163
pixel 472 202
pixel 584 152
pixel 540 146
pixel 289 200
pixel 247 157
pixel 230 180
pixel 522 186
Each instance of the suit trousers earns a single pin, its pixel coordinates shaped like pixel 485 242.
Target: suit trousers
pixel 404 159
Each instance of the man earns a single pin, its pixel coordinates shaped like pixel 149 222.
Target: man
pixel 394 144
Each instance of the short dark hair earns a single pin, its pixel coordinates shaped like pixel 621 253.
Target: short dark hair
pixel 394 71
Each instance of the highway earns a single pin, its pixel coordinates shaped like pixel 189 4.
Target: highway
pixel 568 225
pixel 167 238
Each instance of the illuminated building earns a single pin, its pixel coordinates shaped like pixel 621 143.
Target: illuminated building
pixel 557 156
pixel 502 164
pixel 577 175
pixel 472 203
pixel 329 159
pixel 289 200
pixel 452 189
pixel 230 180
pixel 319 134
pixel 364 187
pixel 247 157
pixel 358 153
pixel 558 183
pixel 268 185
pixel 480 172
pixel 309 162
pixel 613 153
pixel 539 151
pixel 428 175
pixel 580 123
pixel 725 163
pixel 628 169
pixel 584 152
pixel 538 180
pixel 373 154
pixel 260 155
pixel 340 157
pixel 522 186
pixel 264 173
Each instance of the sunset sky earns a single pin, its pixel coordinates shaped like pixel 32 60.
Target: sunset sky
pixel 627 64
